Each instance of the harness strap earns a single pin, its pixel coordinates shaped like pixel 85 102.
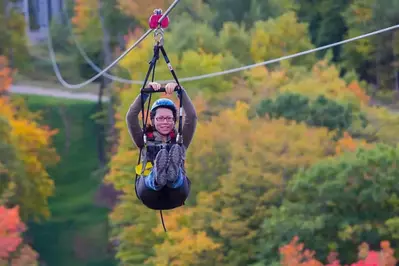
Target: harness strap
pixel 163 223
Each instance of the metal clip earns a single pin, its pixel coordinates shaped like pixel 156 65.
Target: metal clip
pixel 179 138
pixel 158 36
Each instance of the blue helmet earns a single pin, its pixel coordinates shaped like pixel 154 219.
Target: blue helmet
pixel 165 103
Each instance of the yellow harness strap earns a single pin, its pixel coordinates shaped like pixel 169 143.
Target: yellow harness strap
pixel 147 170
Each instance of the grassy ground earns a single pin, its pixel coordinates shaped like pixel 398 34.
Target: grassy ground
pixel 76 234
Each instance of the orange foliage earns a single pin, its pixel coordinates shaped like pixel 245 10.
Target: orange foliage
pixel 294 255
pixel 5 75
pixel 32 144
pixel 348 144
pixel 11 228
pixel 84 11
pixel 355 88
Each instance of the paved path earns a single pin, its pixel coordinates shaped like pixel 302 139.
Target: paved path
pixel 27 89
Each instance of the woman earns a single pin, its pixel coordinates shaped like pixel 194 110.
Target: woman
pixel 166 186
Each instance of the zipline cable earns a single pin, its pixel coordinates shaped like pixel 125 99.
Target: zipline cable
pixel 214 74
pixel 210 75
pixel 80 85
pixel 88 60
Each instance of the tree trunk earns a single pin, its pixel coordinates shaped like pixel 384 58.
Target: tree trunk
pixel 395 63
pixel 65 121
pixel 101 128
pixel 105 84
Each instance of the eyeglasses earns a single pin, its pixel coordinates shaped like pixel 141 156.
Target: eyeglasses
pixel 161 118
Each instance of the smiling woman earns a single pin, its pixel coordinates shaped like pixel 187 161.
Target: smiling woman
pixel 162 170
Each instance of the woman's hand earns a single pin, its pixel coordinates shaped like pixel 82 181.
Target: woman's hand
pixel 155 86
pixel 170 88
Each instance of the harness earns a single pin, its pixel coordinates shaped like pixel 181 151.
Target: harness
pixel 150 151
pixel 151 146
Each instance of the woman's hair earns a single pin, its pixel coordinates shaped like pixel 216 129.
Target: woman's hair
pixel 154 111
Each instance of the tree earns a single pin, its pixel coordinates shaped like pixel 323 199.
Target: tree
pixel 281 36
pixel 374 58
pixel 259 158
pixel 13 251
pixel 324 79
pixel 295 254
pixel 248 12
pixel 237 40
pixel 183 245
pixel 26 153
pixel 13 37
pixel 321 112
pixel 338 202
pixel 86 23
pixel 188 63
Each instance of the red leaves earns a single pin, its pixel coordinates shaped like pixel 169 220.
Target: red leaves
pixel 11 242
pixel 293 254
pixel 5 75
pixel 10 229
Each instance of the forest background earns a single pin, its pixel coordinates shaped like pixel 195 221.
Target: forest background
pixel 293 163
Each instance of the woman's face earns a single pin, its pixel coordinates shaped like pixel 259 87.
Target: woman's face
pixel 163 121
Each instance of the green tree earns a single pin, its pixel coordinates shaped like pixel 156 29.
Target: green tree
pixel 374 58
pixel 13 37
pixel 321 112
pixel 340 201
pixel 281 36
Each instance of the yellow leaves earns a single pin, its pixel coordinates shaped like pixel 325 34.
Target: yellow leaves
pixel 84 13
pixel 325 80
pixel 256 156
pixel 383 124
pixel 182 245
pixel 190 249
pixel 31 154
pixel 278 37
pixel 189 63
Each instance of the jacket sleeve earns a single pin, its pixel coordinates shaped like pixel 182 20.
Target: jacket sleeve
pixel 132 120
pixel 190 119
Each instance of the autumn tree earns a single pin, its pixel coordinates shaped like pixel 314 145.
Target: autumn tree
pixel 191 62
pixel 338 202
pixel 183 245
pixel 13 250
pixel 295 254
pixel 26 153
pixel 281 36
pixel 257 158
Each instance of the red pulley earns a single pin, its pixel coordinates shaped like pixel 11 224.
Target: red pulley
pixel 153 21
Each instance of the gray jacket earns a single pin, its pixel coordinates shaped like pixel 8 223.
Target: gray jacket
pixel 188 128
